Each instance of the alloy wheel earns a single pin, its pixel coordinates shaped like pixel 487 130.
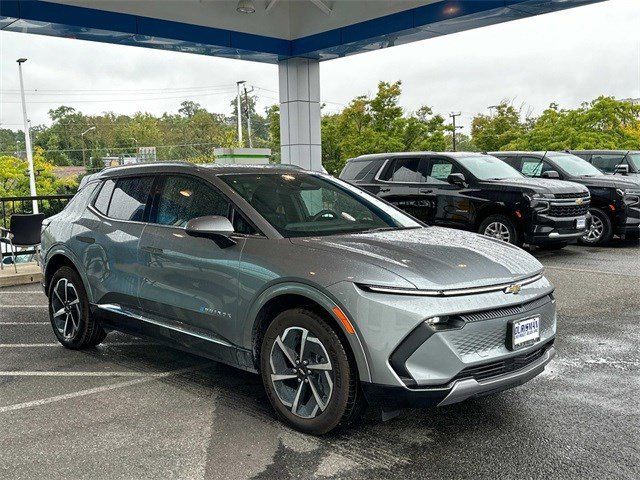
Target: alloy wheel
pixel 498 230
pixel 595 231
pixel 65 305
pixel 301 372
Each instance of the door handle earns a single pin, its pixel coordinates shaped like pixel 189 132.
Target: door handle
pixel 384 189
pixel 88 240
pixel 150 249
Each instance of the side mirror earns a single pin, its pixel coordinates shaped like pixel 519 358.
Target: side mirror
pixel 457 179
pixel 215 227
pixel 550 174
pixel 622 169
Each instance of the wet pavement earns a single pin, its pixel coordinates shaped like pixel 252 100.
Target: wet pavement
pixel 134 409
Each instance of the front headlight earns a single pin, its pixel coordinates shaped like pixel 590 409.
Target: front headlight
pixel 539 201
pixel 630 196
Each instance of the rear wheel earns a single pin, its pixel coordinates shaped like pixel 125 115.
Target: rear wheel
pixel 308 375
pixel 500 227
pixel 69 311
pixel 600 231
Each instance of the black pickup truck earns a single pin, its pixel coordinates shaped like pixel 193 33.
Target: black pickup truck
pixel 615 199
pixel 613 162
pixel 477 192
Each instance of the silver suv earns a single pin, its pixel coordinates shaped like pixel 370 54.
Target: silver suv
pixel 338 299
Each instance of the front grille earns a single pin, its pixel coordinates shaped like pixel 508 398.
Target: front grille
pixel 568 210
pixel 506 311
pixel 493 369
pixel 572 195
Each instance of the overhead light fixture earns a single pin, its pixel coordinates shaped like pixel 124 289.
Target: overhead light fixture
pixel 246 6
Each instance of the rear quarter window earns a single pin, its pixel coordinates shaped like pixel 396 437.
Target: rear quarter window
pixel 104 197
pixel 359 170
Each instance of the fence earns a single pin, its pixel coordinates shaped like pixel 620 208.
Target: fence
pixel 47 204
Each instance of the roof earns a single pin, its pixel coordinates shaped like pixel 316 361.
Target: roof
pixel 159 167
pixel 375 156
pixel 621 152
pixel 276 30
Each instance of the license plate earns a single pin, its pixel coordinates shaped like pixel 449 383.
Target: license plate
pixel 524 332
pixel 581 223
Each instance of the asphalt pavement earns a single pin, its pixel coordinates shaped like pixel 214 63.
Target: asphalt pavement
pixel 132 409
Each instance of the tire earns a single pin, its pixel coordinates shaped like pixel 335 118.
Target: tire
pixel 337 389
pixel 601 230
pixel 500 227
pixel 72 323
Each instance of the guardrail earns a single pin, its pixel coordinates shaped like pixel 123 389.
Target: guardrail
pixel 47 204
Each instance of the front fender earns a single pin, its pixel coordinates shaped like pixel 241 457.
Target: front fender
pixel 322 298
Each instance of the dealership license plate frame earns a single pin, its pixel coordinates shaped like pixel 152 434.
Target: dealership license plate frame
pixel 511 333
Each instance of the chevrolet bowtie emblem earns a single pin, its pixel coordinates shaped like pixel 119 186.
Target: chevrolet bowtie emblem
pixel 515 289
pixel 579 201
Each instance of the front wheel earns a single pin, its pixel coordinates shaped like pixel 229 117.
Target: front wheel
pixel 600 231
pixel 500 227
pixel 309 377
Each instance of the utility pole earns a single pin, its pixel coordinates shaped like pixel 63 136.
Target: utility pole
pixel 453 120
pixel 84 146
pixel 246 103
pixel 239 107
pixel 27 139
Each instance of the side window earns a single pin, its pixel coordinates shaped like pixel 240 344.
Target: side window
pixel 129 198
pixel 440 169
pixel 184 198
pixel 404 170
pixel 240 225
pixel 104 197
pixel 357 170
pixel 607 163
pixel 534 167
pixel 511 161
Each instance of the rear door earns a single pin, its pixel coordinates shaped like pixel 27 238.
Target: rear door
pixel 403 183
pixel 187 280
pixel 109 233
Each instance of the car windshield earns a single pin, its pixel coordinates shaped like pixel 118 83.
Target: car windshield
pixel 634 159
pixel 486 167
pixel 574 166
pixel 300 204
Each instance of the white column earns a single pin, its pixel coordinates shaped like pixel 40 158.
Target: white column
pixel 300 113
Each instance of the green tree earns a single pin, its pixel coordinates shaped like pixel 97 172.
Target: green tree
pixel 497 131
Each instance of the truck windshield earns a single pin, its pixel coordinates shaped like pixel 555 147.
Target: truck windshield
pixel 486 167
pixel 574 166
pixel 300 204
pixel 634 159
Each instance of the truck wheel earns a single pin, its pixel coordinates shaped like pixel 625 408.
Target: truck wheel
pixel 71 320
pixel 500 227
pixel 309 377
pixel 601 229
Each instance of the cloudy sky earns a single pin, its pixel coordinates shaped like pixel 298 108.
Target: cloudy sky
pixel 566 57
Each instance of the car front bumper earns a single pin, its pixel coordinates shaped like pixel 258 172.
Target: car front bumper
pixel 457 390
pixel 546 229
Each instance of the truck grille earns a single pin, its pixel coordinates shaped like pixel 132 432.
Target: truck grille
pixel 572 195
pixel 568 210
pixel 493 369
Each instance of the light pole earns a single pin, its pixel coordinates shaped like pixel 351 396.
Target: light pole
pixel 84 146
pixel 241 82
pixel 27 139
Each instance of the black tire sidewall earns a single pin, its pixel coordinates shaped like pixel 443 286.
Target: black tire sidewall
pixel 342 368
pixel 80 338
pixel 507 222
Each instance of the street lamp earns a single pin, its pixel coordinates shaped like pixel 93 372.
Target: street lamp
pixel 84 146
pixel 27 139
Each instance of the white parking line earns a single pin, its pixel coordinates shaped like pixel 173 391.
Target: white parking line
pixel 10 373
pixel 91 391
pixel 25 323
pixel 23 306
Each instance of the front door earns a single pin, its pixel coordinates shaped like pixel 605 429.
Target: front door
pixel 190 282
pixel 453 207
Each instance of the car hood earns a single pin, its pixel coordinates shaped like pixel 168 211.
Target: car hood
pixel 541 185
pixel 434 257
pixel 608 181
